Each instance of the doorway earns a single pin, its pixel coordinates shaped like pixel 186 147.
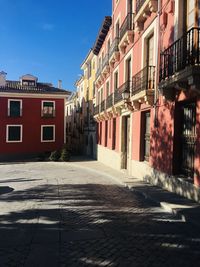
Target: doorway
pixel 125 147
pixel 185 139
pixel 188 139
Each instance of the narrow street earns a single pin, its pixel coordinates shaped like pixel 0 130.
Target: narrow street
pixel 58 214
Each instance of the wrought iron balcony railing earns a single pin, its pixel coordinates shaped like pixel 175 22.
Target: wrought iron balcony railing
pixel 118 92
pixel 102 106
pixel 127 25
pixel 105 61
pixel 99 70
pixel 139 4
pixel 109 101
pixel 96 110
pixel 114 47
pixel 143 80
pixel 182 53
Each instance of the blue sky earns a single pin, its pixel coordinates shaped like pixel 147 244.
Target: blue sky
pixel 48 38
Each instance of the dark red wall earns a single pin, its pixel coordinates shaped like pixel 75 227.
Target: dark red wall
pixel 31 120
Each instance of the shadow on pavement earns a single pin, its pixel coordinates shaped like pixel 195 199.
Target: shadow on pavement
pixel 5 190
pixel 94 225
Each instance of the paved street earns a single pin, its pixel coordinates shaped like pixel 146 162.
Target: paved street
pixel 59 214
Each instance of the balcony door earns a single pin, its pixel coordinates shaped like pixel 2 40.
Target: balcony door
pixel 188 138
pixel 191 10
pixel 130 5
pixel 128 73
pixel 150 51
pixel 150 63
pixel 125 142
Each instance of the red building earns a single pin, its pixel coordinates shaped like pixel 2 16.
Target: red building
pixel 147 92
pixel 32 117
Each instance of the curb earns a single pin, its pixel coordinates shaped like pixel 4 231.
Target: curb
pixel 180 213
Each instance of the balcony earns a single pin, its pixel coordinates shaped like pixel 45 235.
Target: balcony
pixel 99 77
pixel 180 64
pixel 114 53
pixel 105 65
pixel 143 86
pixel 96 110
pixel 48 112
pixel 118 92
pixel 109 101
pixel 102 106
pixel 126 34
pixel 144 8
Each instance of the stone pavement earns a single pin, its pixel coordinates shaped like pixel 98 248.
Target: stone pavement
pixel 72 214
pixel 186 209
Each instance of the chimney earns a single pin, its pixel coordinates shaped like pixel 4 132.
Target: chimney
pixel 3 78
pixel 60 84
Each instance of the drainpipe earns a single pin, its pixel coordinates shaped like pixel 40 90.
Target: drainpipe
pixel 156 94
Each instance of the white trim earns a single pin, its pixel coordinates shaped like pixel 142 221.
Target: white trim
pixel 38 95
pixel 48 101
pixel 17 100
pixel 47 141
pixel 116 5
pixel 21 133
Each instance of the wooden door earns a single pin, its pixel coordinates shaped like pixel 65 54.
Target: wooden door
pixel 188 138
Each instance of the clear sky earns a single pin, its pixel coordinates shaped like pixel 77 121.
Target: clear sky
pixel 48 38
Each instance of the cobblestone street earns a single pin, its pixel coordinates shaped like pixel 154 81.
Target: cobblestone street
pixel 55 214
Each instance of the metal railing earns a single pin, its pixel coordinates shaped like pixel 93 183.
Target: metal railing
pixel 98 72
pixel 105 61
pixel 127 25
pixel 139 4
pixel 96 110
pixel 182 53
pixel 118 92
pixel 109 101
pixel 114 47
pixel 102 108
pixel 143 80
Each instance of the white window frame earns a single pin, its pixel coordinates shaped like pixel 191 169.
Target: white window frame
pixel 16 100
pixel 48 141
pixel 49 101
pixel 7 131
pixel 151 30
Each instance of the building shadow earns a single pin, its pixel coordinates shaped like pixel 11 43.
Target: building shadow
pixel 93 223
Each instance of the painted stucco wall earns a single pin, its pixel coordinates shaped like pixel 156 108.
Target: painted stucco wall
pixel 31 120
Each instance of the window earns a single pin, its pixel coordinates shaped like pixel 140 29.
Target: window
pixel 89 70
pixel 48 109
pixel 107 89
pixel 108 46
pixel 106 133
pixel 28 83
pixel 191 9
pixel 116 80
pixel 14 133
pixel 48 133
pixel 14 108
pixel 146 136
pixel 100 133
pixel 114 134
pixel 117 30
pixel 94 89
